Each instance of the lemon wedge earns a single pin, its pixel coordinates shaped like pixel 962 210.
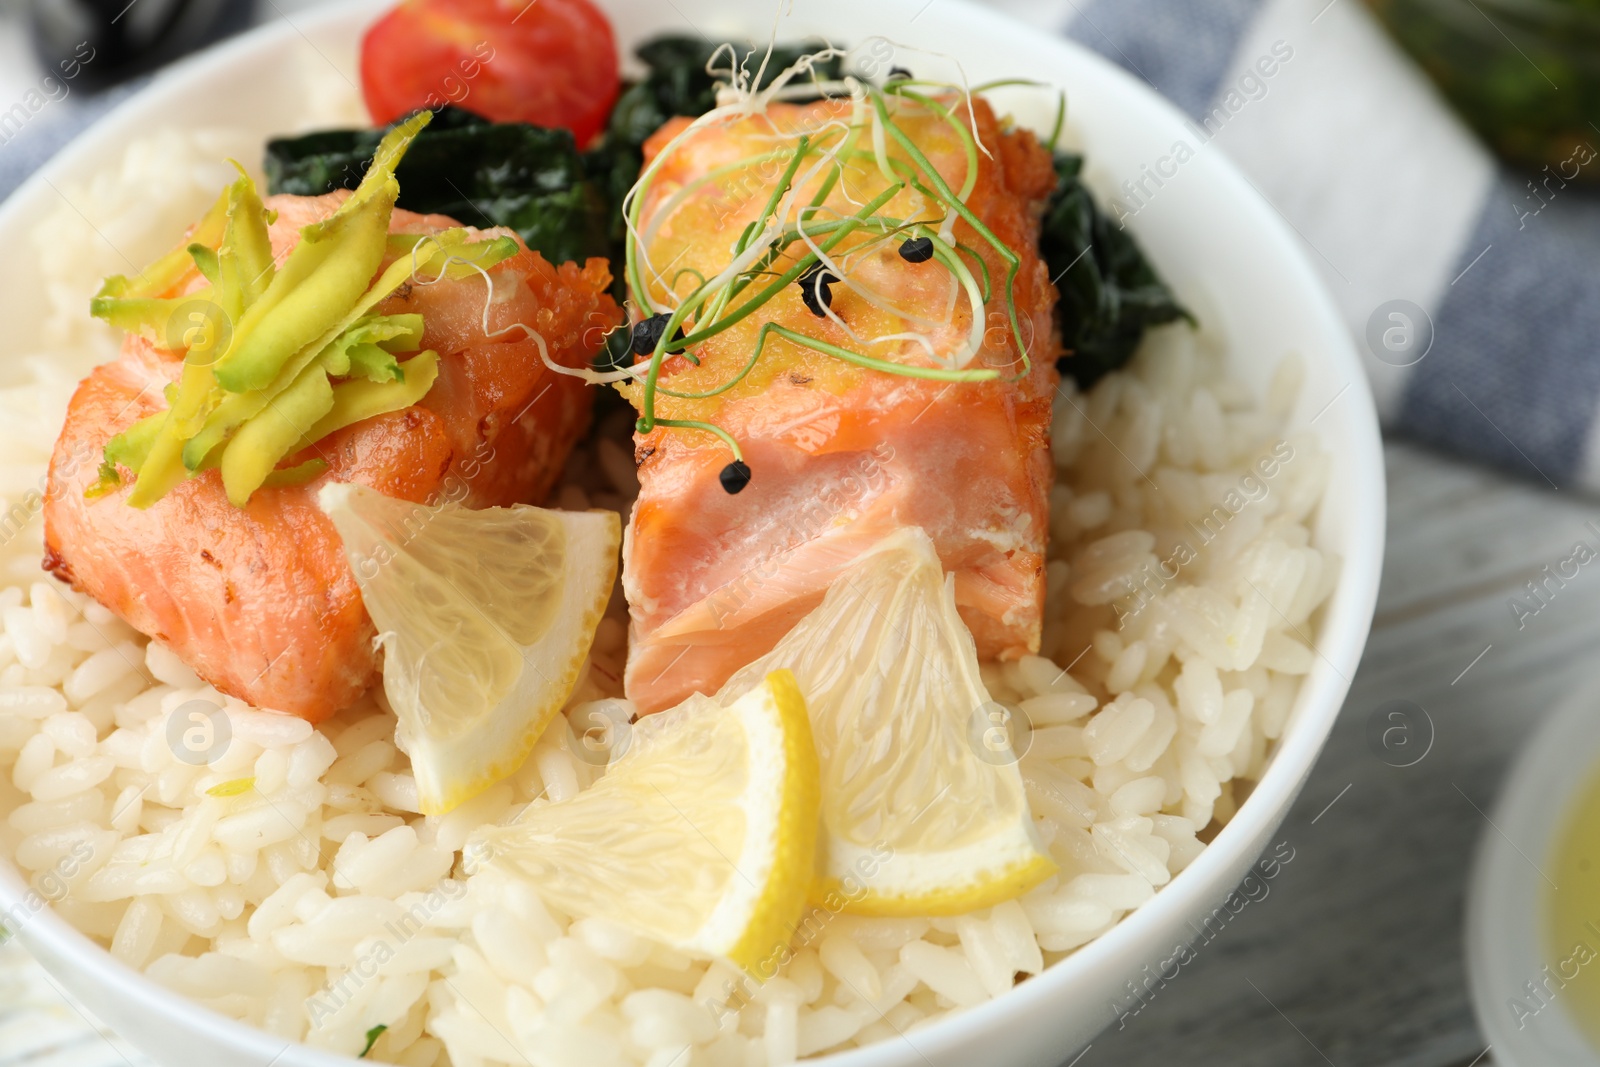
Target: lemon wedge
pixel 702 835
pixel 485 617
pixel 921 815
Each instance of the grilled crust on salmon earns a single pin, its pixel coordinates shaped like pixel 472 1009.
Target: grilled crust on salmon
pixel 840 455
pixel 260 601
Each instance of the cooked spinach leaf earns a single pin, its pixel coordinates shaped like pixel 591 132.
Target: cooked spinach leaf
pixel 478 172
pixel 1110 295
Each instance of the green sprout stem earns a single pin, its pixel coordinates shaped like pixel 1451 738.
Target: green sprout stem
pixel 710 309
pixel 1002 83
pixel 904 370
pixel 779 191
pixel 1061 120
pixel 968 146
pixel 1012 260
pixel 690 424
pixel 845 229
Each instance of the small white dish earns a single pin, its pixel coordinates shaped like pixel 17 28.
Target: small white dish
pixel 1506 901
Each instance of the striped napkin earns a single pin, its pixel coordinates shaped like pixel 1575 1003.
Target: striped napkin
pixel 1474 302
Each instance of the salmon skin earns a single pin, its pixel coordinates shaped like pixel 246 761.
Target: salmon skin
pixel 840 455
pixel 260 601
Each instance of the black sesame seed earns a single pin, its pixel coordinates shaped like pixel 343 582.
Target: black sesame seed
pixel 647 333
pixel 735 476
pixel 917 250
pixel 816 288
pixel 900 73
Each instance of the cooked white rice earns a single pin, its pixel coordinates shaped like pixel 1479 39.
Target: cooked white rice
pixel 317 904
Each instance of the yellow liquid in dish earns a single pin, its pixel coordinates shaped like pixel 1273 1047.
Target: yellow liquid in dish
pixel 1572 927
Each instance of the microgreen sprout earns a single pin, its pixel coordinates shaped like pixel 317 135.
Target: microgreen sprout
pixel 812 176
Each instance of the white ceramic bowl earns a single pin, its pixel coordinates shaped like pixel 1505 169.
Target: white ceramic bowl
pixel 1506 901
pixel 1226 252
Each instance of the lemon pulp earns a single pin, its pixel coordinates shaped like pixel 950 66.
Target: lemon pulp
pixel 916 820
pixel 485 617
pixel 701 835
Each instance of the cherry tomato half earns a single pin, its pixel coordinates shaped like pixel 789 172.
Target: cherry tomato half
pixel 549 62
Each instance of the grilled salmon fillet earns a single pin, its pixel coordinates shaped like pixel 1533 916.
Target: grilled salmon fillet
pixel 260 600
pixel 840 455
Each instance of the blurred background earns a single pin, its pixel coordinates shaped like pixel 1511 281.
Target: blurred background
pixel 1436 157
pixel 80 56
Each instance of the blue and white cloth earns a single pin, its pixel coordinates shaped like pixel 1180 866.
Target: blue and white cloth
pixel 1401 208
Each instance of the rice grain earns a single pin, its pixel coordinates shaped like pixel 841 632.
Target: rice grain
pixel 1158 687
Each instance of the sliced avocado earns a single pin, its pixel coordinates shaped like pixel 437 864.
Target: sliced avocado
pixel 299 474
pixel 127 449
pixel 354 401
pixel 369 346
pixel 373 363
pixel 249 239
pixel 162 469
pixel 133 304
pixel 257 446
pixel 205 261
pixel 296 352
pixel 167 272
pixel 144 315
pixel 328 271
pixel 234 409
pixel 241 264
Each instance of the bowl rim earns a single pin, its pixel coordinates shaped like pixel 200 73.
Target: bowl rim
pixel 1505 906
pixel 1343 633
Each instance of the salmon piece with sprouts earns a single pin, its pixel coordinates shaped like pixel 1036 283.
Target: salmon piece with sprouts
pixel 259 600
pixel 838 454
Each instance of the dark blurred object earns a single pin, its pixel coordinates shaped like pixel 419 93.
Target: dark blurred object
pixel 103 42
pixel 1524 73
